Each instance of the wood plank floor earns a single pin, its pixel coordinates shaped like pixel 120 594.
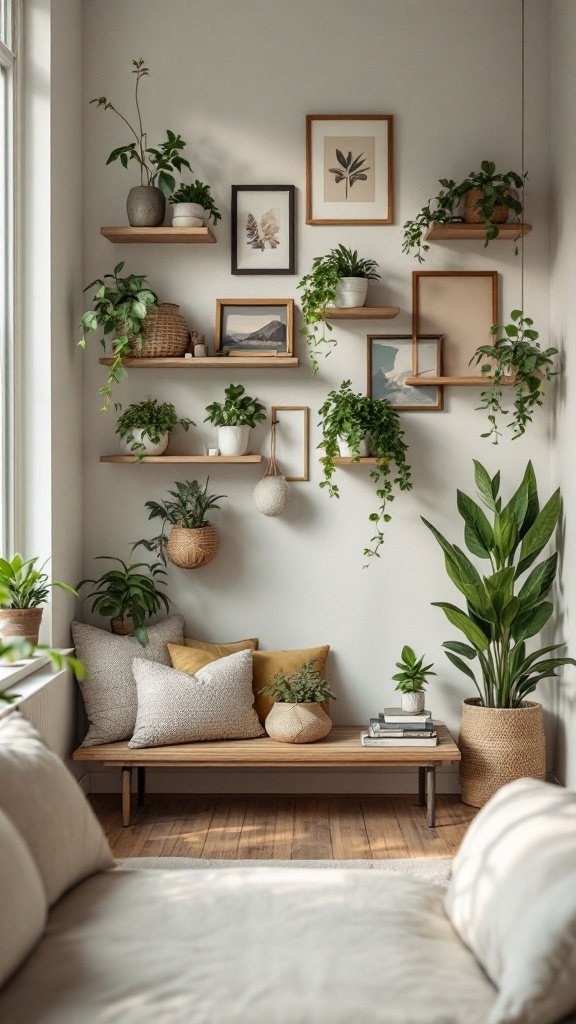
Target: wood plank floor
pixel 283 827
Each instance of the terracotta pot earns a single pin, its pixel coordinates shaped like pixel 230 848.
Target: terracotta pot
pixel 23 623
pixel 192 549
pixel 122 625
pixel 499 745
pixel 297 723
pixel 473 216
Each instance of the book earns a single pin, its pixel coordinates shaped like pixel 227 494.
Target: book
pixel 397 741
pixel 398 715
pixel 382 726
pixel 409 734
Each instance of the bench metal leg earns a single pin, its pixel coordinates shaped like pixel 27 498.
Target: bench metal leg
pixel 422 786
pixel 126 787
pixel 141 776
pixel 431 796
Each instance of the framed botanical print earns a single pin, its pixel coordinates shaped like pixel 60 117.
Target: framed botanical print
pixel 254 327
pixel 263 225
pixel 349 163
pixel 393 358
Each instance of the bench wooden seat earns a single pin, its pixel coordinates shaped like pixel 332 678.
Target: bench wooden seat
pixel 341 749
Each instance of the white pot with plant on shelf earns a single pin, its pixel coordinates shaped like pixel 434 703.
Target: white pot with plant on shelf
pixel 411 680
pixel 350 448
pixel 193 205
pixel 145 427
pixel 235 417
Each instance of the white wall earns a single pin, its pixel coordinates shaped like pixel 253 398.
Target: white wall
pixel 236 80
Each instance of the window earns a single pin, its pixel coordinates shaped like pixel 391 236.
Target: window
pixel 8 75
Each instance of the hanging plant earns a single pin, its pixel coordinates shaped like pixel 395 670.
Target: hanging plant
pixel 516 354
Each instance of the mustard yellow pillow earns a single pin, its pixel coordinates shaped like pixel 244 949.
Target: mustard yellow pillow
pixel 265 665
pixel 223 650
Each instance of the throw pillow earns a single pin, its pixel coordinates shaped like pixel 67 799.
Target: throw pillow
pixel 49 810
pixel 213 704
pixel 109 690
pixel 22 898
pixel 512 899
pixel 222 650
pixel 266 664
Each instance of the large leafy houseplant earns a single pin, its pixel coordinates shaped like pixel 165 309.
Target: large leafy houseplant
pixel 349 416
pixel 188 509
pixel 129 592
pixel 318 290
pixel 514 352
pixel 121 305
pixel 500 614
pixel 495 191
pixel 149 419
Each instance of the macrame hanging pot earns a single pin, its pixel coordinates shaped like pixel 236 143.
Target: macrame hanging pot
pixel 272 493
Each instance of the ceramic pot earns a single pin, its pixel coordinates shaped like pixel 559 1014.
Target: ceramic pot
pixel 122 625
pixel 271 495
pixel 413 702
pixel 145 206
pixel 200 351
pixel 23 623
pixel 233 440
pixel 346 451
pixel 297 723
pixel 187 215
pixel 351 292
pixel 499 745
pixel 149 446
pixel 192 549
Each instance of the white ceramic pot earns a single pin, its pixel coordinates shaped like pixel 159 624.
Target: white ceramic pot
pixel 271 495
pixel 351 291
pixel 233 440
pixel 346 451
pixel 414 702
pixel 187 215
pixel 150 447
pixel 200 351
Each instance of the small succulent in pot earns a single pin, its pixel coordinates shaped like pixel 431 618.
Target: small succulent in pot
pixel 127 593
pixel 197 194
pixel 145 427
pixel 412 679
pixel 235 417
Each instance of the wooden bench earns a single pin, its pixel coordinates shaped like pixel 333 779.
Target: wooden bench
pixel 340 749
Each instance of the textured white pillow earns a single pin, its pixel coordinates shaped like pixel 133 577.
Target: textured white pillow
pixel 23 902
pixel 49 810
pixel 176 707
pixel 109 690
pixel 512 899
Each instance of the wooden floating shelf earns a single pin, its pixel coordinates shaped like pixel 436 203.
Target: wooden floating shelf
pixel 345 460
pixel 463 382
pixel 450 232
pixel 123 235
pixel 362 312
pixel 228 363
pixel 172 460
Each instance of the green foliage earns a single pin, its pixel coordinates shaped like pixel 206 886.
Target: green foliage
pixel 189 508
pixel 351 416
pixel 13 649
pixel 151 417
pixel 305 686
pixel 413 672
pixel 319 291
pixel 197 193
pixel 22 585
pixel 127 591
pixel 237 410
pixel 120 309
pixel 514 352
pixel 155 162
pixel 497 190
pixel 499 618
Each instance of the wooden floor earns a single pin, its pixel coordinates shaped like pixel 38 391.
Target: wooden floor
pixel 284 827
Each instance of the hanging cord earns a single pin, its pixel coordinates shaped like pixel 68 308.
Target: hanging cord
pixel 273 468
pixel 522 158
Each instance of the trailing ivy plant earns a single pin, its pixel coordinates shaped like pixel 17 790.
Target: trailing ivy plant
pixel 200 194
pixel 188 509
pixel 305 686
pixel 153 419
pixel 514 353
pixel 351 417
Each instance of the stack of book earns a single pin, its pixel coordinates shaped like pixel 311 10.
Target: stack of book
pixel 397 728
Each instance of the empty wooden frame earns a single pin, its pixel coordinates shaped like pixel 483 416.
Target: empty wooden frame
pixel 292 440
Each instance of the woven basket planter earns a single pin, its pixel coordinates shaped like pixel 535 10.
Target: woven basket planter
pixel 23 623
pixel 191 549
pixel 165 332
pixel 122 625
pixel 297 723
pixel 473 216
pixel 499 745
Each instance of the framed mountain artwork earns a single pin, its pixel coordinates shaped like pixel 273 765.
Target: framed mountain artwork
pixel 254 327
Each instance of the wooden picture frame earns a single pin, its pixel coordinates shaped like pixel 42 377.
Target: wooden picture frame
pixel 361 147
pixel 263 229
pixel 462 306
pixel 393 359
pixel 252 327
pixel 287 441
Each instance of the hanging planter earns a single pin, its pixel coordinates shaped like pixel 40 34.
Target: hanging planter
pixel 272 493
pixel 193 541
pixel 192 549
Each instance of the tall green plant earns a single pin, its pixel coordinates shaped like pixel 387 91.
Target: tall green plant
pixel 500 618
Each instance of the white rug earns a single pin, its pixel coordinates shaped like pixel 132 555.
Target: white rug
pixel 435 869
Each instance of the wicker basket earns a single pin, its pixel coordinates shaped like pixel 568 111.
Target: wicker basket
pixel 499 745
pixel 122 625
pixel 165 333
pixel 297 723
pixel 23 623
pixel 191 549
pixel 473 216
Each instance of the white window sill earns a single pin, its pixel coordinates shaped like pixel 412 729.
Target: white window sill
pixel 26 677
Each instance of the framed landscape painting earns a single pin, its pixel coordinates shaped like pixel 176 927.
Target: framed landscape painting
pixel 263 229
pixel 255 327
pixel 392 358
pixel 349 168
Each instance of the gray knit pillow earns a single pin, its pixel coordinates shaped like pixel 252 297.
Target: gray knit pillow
pixel 109 690
pixel 176 707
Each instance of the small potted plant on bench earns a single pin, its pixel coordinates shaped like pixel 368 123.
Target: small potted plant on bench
pixel 145 427
pixel 128 596
pixel 235 417
pixel 191 203
pixel 411 680
pixel 193 541
pixel 297 715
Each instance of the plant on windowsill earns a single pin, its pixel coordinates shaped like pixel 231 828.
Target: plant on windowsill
pixel 235 418
pixel 24 587
pixel 193 541
pixel 516 354
pixel 338 279
pixel 489 197
pixel 297 715
pixel 145 427
pixel 190 202
pixel 128 596
pixel 502 735
pixel 353 425
pixel 412 680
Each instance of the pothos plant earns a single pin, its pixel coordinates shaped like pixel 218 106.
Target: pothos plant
pixel 516 354
pixel 151 419
pixel 237 409
pixel 349 416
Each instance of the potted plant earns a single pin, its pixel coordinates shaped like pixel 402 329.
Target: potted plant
pixel 350 421
pixel 192 542
pixel 23 589
pixel 146 202
pixel 338 279
pixel 190 203
pixel 145 427
pixel 502 735
pixel 235 418
pixel 297 715
pixel 128 596
pixel 488 199
pixel 411 680
pixel 514 354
